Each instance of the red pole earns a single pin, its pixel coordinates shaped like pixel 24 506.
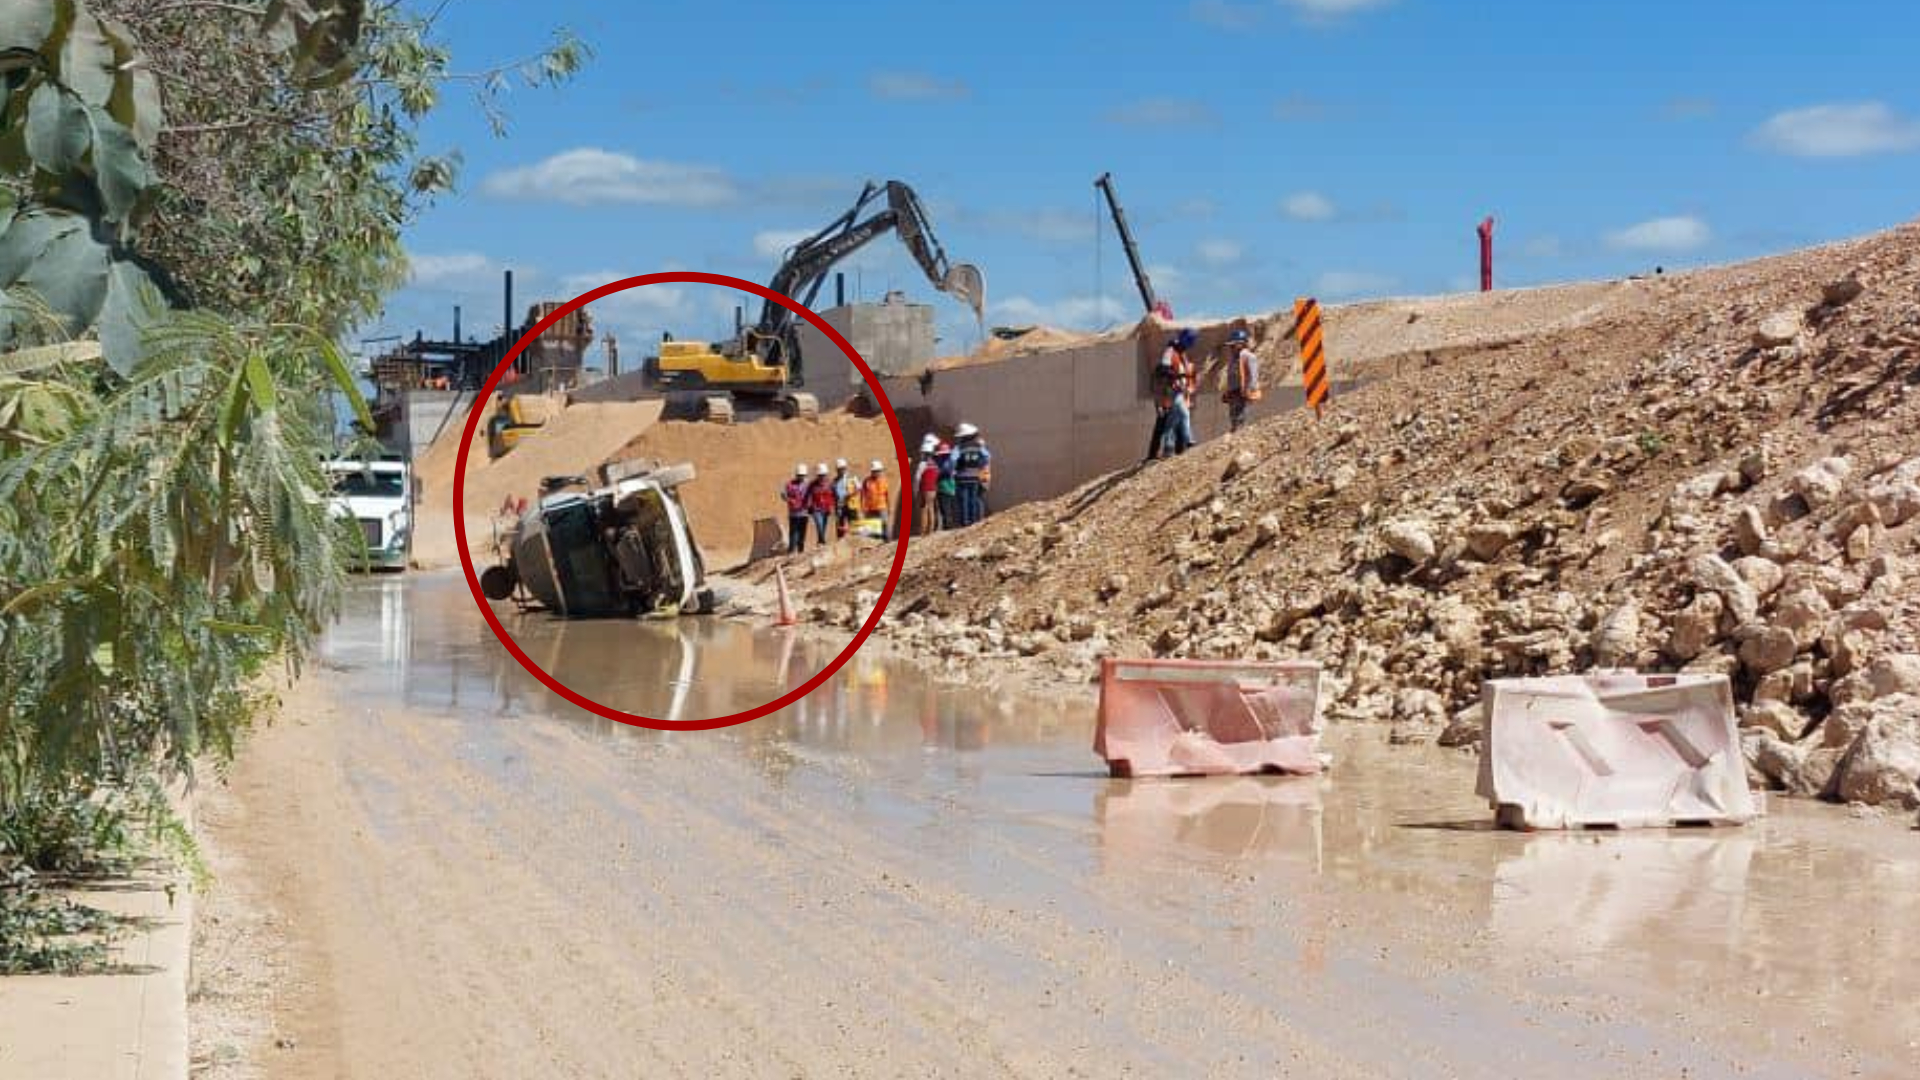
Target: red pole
pixel 1486 255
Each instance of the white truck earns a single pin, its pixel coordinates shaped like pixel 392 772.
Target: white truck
pixel 378 495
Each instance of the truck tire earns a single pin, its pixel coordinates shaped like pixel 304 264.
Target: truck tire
pixel 498 582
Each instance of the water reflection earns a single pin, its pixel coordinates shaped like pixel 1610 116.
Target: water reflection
pixel 1593 893
pixel 1216 820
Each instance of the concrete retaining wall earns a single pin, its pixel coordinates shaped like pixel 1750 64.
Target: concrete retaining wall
pixel 1056 420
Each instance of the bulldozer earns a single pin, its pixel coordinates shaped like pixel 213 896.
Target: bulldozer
pixel 762 365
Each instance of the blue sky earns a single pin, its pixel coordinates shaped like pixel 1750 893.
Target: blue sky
pixel 1265 149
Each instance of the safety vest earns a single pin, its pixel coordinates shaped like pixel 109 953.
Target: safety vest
pixel 1172 378
pixel 971 462
pixel 796 493
pixel 873 495
pixel 820 496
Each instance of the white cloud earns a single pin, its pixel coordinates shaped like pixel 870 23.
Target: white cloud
pixel 1323 10
pixel 454 268
pixel 1048 225
pixel 774 243
pixel 588 176
pixel 1078 312
pixel 1167 280
pixel 1164 112
pixel 1226 15
pixel 1668 234
pixel 1336 284
pixel 649 306
pixel 1219 253
pixel 916 86
pixel 1542 247
pixel 1309 206
pixel 1852 129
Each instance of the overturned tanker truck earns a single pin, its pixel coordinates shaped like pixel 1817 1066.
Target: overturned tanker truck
pixel 622 549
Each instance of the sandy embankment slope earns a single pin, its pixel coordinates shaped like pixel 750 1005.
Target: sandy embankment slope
pixel 579 438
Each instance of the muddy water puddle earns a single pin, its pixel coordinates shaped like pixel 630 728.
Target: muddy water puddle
pixel 1796 939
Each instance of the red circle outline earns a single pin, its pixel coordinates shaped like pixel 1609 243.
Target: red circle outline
pixel 460 483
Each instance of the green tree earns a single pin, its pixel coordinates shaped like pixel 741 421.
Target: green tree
pixel 199 197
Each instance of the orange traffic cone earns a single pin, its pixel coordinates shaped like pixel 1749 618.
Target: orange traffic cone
pixel 786 616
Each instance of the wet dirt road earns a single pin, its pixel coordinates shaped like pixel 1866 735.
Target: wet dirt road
pixel 900 878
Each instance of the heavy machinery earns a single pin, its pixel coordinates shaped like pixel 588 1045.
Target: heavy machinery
pixel 1155 305
pixel 516 417
pixel 763 362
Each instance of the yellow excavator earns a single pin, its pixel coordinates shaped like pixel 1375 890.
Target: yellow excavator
pixel 762 364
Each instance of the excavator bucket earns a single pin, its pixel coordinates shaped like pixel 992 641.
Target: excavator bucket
pixel 965 283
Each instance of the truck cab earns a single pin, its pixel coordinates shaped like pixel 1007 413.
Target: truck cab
pixel 378 496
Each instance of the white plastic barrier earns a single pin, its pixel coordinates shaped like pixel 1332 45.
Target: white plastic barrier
pixel 1613 749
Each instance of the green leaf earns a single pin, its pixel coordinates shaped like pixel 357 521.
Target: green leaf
pixel 131 305
pixel 57 130
pixel 87 63
pixel 45 356
pixel 119 167
pixel 344 382
pixel 136 96
pixel 260 383
pixel 70 273
pixel 26 24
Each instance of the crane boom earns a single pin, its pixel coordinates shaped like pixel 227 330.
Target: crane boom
pixel 1147 296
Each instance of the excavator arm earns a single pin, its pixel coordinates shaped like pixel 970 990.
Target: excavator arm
pixel 775 338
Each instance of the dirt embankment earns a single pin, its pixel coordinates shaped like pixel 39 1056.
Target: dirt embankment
pixel 740 467
pixel 577 439
pixel 1717 471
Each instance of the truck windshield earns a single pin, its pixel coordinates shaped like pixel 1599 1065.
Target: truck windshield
pixel 378 485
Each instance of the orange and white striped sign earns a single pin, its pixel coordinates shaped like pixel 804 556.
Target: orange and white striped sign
pixel 1310 332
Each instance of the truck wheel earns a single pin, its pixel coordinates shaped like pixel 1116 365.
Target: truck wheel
pixel 498 582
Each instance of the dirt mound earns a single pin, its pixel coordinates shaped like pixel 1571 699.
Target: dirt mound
pixel 577 439
pixel 1717 472
pixel 742 466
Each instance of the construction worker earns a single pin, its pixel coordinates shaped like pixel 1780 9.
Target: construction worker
pixel 846 492
pixel 875 495
pixel 795 495
pixel 1243 378
pixel 1173 379
pixel 926 487
pixel 947 489
pixel 972 462
pixel 821 502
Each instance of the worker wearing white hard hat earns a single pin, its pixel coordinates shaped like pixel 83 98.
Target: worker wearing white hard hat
pixel 846 497
pixel 820 502
pixel 926 487
pixel 875 498
pixel 794 494
pixel 972 472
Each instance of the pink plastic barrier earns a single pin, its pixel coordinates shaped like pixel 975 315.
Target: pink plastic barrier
pixel 1208 718
pixel 1613 749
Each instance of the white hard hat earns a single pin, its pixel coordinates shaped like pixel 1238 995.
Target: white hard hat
pixel 877 467
pixel 840 463
pixel 931 442
pixel 965 431
pixel 800 469
pixel 823 468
